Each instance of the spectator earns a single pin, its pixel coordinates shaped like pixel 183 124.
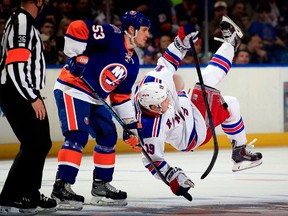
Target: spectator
pixel 164 42
pixel 161 16
pixel 47 30
pixel 48 27
pixel 64 9
pixel 213 26
pixel 202 59
pixel 50 51
pixel 262 27
pixel 274 13
pixel 6 9
pixel 242 57
pixel 83 10
pixel 238 9
pixel 63 25
pixel 139 5
pixel 166 17
pixel 256 51
pixel 149 57
pixel 185 11
pixel 246 21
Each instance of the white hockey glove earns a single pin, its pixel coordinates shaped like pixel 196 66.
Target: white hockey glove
pixel 179 183
pixel 185 32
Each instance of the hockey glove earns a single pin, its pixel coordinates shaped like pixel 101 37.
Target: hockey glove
pixel 130 136
pixel 179 183
pixel 185 32
pixel 77 64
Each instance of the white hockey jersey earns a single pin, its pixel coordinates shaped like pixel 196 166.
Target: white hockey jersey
pixel 182 125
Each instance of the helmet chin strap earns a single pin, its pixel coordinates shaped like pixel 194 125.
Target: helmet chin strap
pixel 132 37
pixel 159 109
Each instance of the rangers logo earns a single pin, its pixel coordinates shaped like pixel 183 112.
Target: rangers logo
pixel 111 76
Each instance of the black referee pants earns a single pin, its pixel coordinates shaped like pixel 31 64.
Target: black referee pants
pixel 25 175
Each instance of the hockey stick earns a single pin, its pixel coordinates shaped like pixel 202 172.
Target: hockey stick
pixel 124 126
pixel 211 124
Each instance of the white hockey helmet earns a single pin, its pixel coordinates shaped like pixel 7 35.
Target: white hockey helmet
pixel 152 93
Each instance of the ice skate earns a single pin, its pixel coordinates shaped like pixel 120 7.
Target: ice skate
pixel 104 194
pixel 46 204
pixel 231 32
pixel 23 206
pixel 66 198
pixel 244 158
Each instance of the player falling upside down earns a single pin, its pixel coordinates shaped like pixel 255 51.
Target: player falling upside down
pixel 168 115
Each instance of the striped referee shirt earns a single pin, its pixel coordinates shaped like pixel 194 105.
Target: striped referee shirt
pixel 22 57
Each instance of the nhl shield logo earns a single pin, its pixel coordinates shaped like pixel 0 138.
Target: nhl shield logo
pixel 111 76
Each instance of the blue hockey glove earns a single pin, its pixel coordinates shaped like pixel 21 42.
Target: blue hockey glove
pixel 179 183
pixel 185 32
pixel 77 64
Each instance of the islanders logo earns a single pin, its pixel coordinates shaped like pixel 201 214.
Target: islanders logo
pixel 111 76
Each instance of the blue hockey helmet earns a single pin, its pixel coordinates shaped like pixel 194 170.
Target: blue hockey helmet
pixel 135 19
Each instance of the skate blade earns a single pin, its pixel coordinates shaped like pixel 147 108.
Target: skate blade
pixel 103 201
pixel 40 210
pixel 69 205
pixel 237 28
pixel 15 211
pixel 246 165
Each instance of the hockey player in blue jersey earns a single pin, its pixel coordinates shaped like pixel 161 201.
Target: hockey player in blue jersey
pixel 167 114
pixel 104 56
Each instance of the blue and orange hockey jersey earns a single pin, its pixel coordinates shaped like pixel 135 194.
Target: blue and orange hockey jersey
pixel 111 70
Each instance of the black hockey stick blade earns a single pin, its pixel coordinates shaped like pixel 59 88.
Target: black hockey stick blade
pixel 188 196
pixel 211 124
pixel 212 162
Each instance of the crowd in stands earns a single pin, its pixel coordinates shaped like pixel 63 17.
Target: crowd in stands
pixel 264 24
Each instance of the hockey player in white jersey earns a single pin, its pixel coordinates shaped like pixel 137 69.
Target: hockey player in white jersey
pixel 168 115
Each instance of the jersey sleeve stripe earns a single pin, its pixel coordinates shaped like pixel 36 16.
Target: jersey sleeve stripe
pixel 158 164
pixel 172 58
pixel 221 62
pixel 117 99
pixel 17 55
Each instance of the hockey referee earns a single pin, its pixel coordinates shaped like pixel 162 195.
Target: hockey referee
pixel 22 70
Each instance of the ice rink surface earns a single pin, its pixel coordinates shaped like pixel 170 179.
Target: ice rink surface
pixel 259 191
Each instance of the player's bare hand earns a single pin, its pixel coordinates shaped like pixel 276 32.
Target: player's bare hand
pixel 39 109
